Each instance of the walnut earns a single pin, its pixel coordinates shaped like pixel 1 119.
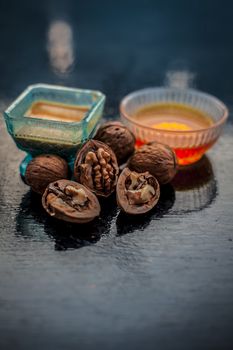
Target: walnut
pixel 79 196
pixel 137 193
pixel 69 201
pixel 44 169
pixel 158 159
pixel 119 138
pixel 96 167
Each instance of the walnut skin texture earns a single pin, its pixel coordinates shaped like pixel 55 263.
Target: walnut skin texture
pixel 158 159
pixel 137 193
pixel 70 201
pixel 44 169
pixel 96 168
pixel 119 138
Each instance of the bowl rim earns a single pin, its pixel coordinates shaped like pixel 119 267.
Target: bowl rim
pixel 85 120
pixel 214 99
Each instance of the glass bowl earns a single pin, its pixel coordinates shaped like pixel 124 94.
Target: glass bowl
pixel 189 145
pixel 38 135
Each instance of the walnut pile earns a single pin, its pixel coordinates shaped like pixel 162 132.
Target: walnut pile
pixel 119 138
pixel 96 173
pixel 96 167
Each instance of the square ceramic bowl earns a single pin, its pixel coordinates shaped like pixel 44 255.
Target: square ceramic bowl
pixel 38 135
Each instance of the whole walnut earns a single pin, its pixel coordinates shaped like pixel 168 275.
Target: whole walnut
pixel 119 138
pixel 44 169
pixel 158 159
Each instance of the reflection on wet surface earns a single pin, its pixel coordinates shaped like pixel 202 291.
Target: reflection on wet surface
pixel 30 211
pixel 128 224
pixel 65 235
pixel 70 236
pixel 195 186
pixel 156 234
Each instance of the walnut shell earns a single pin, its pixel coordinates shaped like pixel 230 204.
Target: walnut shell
pixel 158 159
pixel 96 168
pixel 137 193
pixel 119 138
pixel 70 201
pixel 44 169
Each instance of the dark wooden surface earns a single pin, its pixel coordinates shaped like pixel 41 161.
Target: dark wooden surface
pixel 164 281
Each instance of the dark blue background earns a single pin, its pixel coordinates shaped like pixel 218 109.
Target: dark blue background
pixel 120 45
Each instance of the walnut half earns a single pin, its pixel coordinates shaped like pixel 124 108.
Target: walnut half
pixel 137 193
pixel 70 201
pixel 96 167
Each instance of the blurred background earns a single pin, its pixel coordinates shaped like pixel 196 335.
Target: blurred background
pixel 117 46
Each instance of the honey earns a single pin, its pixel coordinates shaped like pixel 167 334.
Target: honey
pixel 176 117
pixel 57 111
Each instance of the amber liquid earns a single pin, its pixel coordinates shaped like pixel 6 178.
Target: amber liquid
pixel 57 111
pixel 176 117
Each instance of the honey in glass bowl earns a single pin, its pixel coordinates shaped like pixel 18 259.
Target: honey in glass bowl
pixel 176 117
pixel 187 120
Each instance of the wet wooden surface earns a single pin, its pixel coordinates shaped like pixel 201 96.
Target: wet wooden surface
pixel 164 281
